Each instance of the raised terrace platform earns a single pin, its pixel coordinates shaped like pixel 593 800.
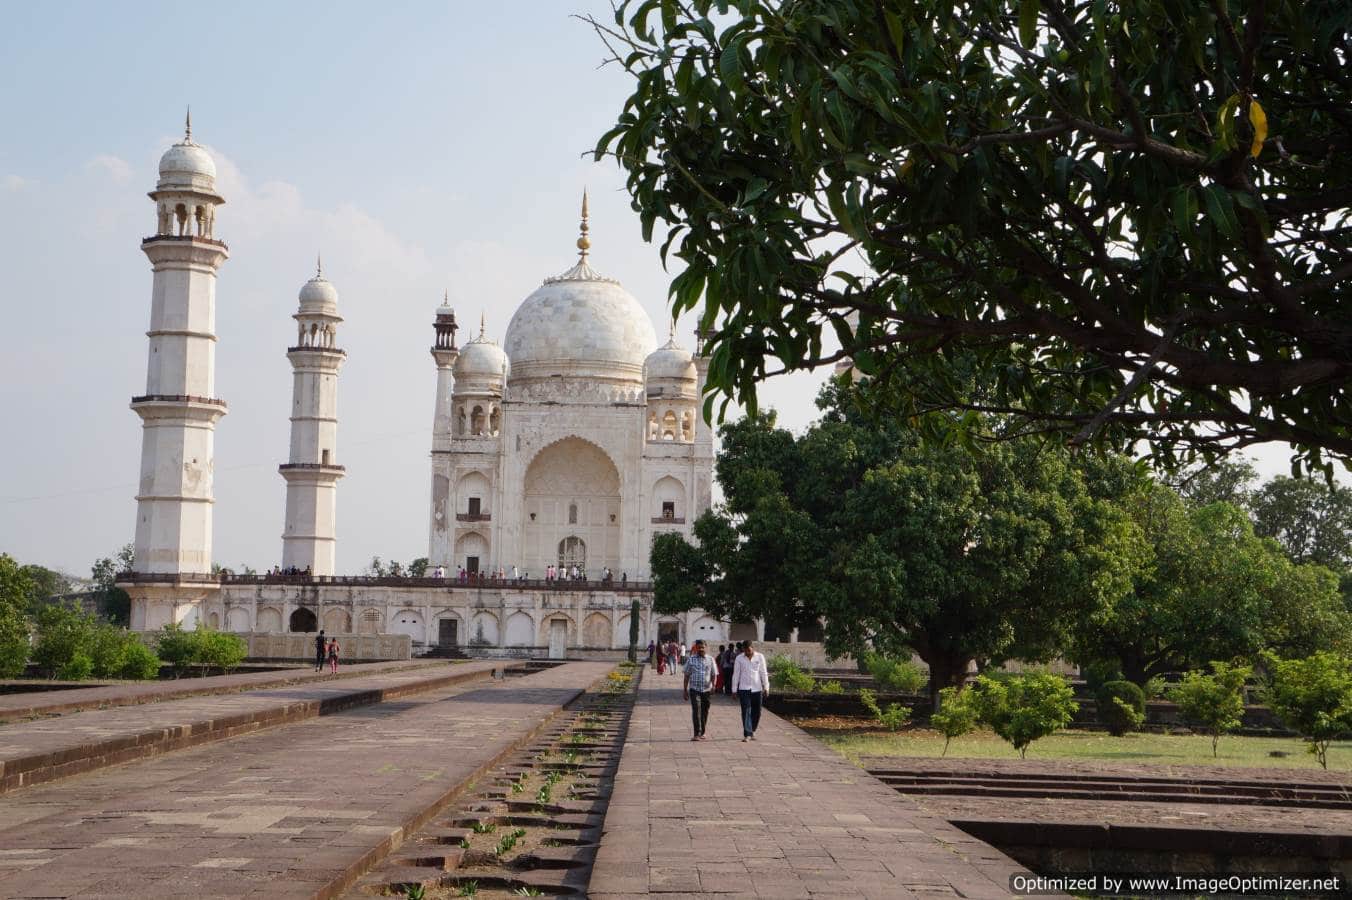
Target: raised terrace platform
pixel 44 703
pixel 47 749
pixel 780 817
pixel 296 811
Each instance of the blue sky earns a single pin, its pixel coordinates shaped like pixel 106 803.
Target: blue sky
pixel 422 146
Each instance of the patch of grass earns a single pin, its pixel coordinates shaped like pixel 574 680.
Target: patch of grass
pixel 1147 748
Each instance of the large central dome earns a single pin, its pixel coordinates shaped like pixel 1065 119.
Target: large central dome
pixel 579 324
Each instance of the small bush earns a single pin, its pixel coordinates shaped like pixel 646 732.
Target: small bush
pixel 786 675
pixel 892 674
pixel 1156 688
pixel 1098 673
pixel 76 667
pixel 1024 708
pixel 139 663
pixel 14 646
pixel 1121 707
pixel 1213 702
pixel 830 687
pixel 64 634
pixel 201 647
pixel 891 718
pixel 956 715
pixel 1313 697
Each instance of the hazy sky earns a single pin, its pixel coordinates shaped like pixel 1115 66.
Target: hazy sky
pixel 422 146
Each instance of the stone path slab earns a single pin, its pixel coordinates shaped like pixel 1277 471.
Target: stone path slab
pixel 293 812
pixel 42 750
pixel 779 817
pixel 43 703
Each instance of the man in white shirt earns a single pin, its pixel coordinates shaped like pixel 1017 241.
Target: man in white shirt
pixel 751 684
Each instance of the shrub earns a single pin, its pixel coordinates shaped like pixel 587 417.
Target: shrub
pixel 786 675
pixel 63 634
pixel 891 718
pixel 1024 708
pixel 1156 688
pixel 1213 702
pixel 956 715
pixel 1121 707
pixel 892 674
pixel 202 647
pixel 1313 697
pixel 14 646
pixel 830 687
pixel 139 663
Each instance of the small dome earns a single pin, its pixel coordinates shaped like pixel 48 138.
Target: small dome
pixel 318 295
pixel 671 360
pixel 480 358
pixel 187 166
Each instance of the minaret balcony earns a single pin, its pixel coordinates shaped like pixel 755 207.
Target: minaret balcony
pixel 179 398
pixel 474 517
pixel 185 238
pixel 312 472
pixel 334 350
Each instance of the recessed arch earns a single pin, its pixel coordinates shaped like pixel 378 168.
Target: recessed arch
pixel 520 630
pixel 303 619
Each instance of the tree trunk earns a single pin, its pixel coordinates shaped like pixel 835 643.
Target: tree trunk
pixel 946 670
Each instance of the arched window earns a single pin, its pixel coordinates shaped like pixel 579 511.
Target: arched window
pixel 687 426
pixel 572 513
pixel 460 421
pixel 652 426
pixel 476 421
pixel 572 552
pixel 494 420
pixel 669 426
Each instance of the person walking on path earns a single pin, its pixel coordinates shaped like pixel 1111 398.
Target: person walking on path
pixel 696 687
pixel 321 645
pixel 751 682
pixel 333 656
pixel 726 660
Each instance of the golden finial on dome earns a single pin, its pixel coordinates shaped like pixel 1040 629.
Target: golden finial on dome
pixel 481 324
pixel 319 265
pixel 187 127
pixel 584 242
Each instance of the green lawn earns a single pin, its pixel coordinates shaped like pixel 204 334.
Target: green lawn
pixel 1161 749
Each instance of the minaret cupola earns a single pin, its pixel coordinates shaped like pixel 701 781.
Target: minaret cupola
pixel 185 195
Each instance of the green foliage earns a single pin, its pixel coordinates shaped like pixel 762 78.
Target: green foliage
pixel 1310 518
pixel 895 674
pixel 1209 589
pixel 829 687
pixel 786 675
pixel 1072 213
pixel 65 639
pixel 892 718
pixel 1024 708
pixel 114 601
pixel 1313 697
pixel 1213 702
pixel 899 548
pixel 1099 672
pixel 16 585
pixel 417 568
pixel 200 647
pixel 1155 688
pixel 1121 707
pixel 14 642
pixel 138 662
pixel 955 716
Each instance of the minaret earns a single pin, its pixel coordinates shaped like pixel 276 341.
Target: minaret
pixel 179 408
pixel 445 353
pixel 704 438
pixel 312 470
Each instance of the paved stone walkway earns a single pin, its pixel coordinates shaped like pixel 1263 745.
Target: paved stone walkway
pixel 42 703
pixel 779 817
pixel 41 750
pixel 291 812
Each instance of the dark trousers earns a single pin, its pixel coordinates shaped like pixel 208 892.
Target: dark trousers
pixel 319 659
pixel 751 707
pixel 727 680
pixel 699 710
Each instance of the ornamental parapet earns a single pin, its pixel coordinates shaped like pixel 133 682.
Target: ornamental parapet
pixel 474 517
pixel 317 467
pixel 334 350
pixel 450 584
pixel 668 520
pixel 179 398
pixel 185 239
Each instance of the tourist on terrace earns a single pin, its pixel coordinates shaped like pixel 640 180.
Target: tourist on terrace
pixel 321 646
pixel 696 687
pixel 751 681
pixel 333 656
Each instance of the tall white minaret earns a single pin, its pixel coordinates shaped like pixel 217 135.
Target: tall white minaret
pixel 179 408
pixel 441 527
pixel 312 472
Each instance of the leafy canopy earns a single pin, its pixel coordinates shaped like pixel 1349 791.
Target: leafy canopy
pixel 1115 222
pixel 1313 697
pixel 1216 701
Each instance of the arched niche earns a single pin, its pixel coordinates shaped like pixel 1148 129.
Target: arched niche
pixel 520 630
pixel 571 489
pixel 303 619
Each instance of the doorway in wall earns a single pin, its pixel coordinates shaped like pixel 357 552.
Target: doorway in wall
pixel 448 633
pixel 304 620
pixel 668 631
pixel 558 638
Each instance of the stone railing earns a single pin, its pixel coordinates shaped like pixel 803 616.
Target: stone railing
pixel 473 583
pixel 178 398
pixel 474 517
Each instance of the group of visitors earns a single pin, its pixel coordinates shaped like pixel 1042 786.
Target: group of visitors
pixel 326 651
pixel 666 656
pixel 291 571
pixel 740 670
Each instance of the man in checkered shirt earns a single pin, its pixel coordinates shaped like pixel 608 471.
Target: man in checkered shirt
pixel 697 686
